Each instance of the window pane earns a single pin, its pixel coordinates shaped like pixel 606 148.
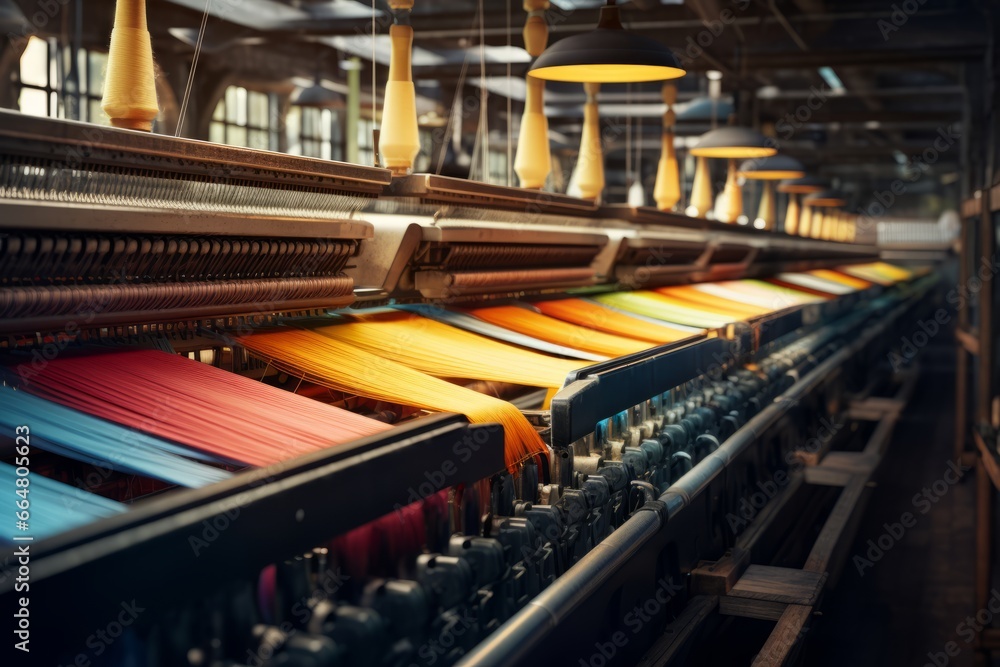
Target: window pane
pixel 217 133
pixel 81 61
pixel 241 106
pixel 220 111
pixel 53 72
pixel 324 126
pixel 258 109
pixel 236 136
pixel 34 63
pixel 96 64
pixel 231 104
pixel 32 101
pixel 259 139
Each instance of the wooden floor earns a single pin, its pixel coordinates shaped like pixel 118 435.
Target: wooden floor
pixel 911 602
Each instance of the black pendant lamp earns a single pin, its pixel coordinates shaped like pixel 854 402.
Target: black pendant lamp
pixel 607 54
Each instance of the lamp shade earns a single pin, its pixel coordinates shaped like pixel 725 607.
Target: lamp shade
pixel 805 185
pixel 318 96
pixel 607 54
pixel 826 198
pixel 733 142
pixel 773 168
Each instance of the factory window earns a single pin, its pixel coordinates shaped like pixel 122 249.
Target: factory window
pixel 247 118
pixel 498 167
pixel 315 132
pixel 366 143
pixel 46 79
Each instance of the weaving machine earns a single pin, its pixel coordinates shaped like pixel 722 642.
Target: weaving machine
pixel 267 459
pixel 171 244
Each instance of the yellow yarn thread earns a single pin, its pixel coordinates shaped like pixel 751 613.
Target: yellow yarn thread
pixel 444 351
pixel 530 323
pixel 129 84
pixel 342 367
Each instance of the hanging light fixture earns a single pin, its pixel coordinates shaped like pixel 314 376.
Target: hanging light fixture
pixel 796 217
pixel 769 170
pixel 318 95
pixel 805 185
pixel 607 54
pixel 826 198
pixel 774 168
pixel 821 203
pixel 733 143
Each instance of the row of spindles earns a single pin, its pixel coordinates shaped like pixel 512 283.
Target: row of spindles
pixel 130 102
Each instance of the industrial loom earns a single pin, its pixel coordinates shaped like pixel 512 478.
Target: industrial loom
pixel 307 413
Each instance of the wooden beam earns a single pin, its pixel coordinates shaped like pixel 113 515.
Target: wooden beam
pixel 779 584
pixel 719 577
pixel 968 340
pixel 674 641
pixel 833 529
pixel 988 458
pixel 784 638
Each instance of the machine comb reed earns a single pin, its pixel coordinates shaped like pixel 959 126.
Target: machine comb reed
pixel 50 160
pixel 107 226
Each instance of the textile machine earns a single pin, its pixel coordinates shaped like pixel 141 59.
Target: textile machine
pixel 420 540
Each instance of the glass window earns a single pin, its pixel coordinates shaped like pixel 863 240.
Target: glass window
pixel 246 118
pixel 44 65
pixel 315 132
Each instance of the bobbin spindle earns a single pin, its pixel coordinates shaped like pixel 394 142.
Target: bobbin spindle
pixel 792 214
pixel 667 190
pixel 533 162
pixel 130 82
pixel 701 189
pixel 732 203
pixel 590 164
pixel 536 29
pixel 399 137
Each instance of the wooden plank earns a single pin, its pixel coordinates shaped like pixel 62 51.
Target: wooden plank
pixel 984 530
pixel 972 206
pixel 719 577
pixel 779 584
pixel 878 441
pixel 675 639
pixel 823 476
pixel 879 404
pixel 969 340
pixel 988 458
pixel 855 463
pixel 784 638
pixel 763 610
pixel 819 557
pixel 762 523
pixel 861 415
pixel 961 398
